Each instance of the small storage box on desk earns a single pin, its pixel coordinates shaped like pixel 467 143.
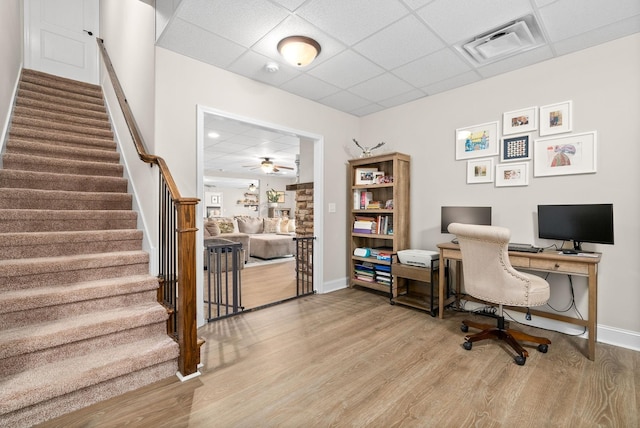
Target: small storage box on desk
pixel 378 218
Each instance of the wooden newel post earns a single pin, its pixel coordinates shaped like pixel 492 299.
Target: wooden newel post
pixel 186 303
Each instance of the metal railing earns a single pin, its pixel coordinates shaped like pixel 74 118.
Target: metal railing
pixel 223 293
pixel 177 243
pixel 304 265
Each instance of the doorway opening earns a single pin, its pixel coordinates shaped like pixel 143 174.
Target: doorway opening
pixel 236 151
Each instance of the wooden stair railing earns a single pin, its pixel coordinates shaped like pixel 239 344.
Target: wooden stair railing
pixel 177 243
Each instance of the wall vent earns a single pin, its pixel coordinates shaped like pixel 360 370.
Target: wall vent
pixel 517 36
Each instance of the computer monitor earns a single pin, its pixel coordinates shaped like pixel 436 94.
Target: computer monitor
pixel 466 215
pixel 578 223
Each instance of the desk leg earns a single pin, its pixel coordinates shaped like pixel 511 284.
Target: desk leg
pixel 592 324
pixel 441 295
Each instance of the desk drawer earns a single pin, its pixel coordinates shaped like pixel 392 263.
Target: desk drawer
pixel 563 266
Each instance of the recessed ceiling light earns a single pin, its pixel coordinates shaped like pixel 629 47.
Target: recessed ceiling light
pixel 213 134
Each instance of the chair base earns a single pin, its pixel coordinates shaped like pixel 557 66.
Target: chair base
pixel 511 337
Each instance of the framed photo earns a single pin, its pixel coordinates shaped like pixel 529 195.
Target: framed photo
pixel 212 199
pixel 513 174
pixel 569 154
pixel 378 177
pixel 555 118
pixel 365 175
pixel 524 120
pixel 515 149
pixel 477 141
pixel 480 171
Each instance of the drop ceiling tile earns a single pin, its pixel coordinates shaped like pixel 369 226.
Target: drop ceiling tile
pixel 381 87
pixel 243 22
pixel 198 44
pixel 403 41
pixel 346 69
pixel 289 4
pixel 253 66
pixel 416 4
pixel 598 36
pixel 452 82
pixel 432 68
pixel 344 101
pixel 568 18
pixel 309 87
pixel 368 109
pixel 409 96
pixel 457 20
pixel 353 20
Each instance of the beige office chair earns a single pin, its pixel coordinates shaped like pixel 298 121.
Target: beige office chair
pixel 489 276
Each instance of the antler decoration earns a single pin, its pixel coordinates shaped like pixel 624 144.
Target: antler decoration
pixel 366 151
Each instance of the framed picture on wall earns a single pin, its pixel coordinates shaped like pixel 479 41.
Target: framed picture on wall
pixel 515 149
pixel 518 121
pixel 512 174
pixel 477 141
pixel 555 118
pixel 567 154
pixel 480 171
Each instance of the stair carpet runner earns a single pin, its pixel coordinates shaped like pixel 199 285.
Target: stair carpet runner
pixel 79 319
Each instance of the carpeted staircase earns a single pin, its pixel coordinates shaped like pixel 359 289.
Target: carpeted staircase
pixel 79 319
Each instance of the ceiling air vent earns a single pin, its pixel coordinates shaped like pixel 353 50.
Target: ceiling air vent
pixel 516 37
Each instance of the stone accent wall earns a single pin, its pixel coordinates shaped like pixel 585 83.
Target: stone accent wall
pixel 304 208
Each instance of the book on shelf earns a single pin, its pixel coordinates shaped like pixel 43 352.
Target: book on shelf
pixel 365 198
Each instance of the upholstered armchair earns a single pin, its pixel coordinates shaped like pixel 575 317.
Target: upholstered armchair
pixel 489 276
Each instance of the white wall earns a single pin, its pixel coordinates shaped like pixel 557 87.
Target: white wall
pixel 127 29
pixel 604 84
pixel 183 83
pixel 11 54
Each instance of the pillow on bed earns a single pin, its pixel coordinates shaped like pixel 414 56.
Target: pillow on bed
pixel 271 225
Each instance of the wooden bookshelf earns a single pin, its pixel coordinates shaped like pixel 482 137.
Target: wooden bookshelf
pixel 391 230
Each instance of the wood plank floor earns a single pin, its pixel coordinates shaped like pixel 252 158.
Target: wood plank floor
pixel 349 359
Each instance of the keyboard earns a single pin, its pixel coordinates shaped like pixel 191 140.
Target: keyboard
pixel 524 248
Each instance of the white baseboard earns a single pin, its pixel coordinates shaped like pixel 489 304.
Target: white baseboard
pixel 619 337
pixel 335 285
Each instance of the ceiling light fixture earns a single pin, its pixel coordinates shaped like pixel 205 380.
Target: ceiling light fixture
pixel 252 187
pixel 299 50
pixel 267 166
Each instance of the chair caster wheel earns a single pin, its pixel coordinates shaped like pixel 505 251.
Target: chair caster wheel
pixel 520 360
pixel 464 328
pixel 543 348
pixel 467 345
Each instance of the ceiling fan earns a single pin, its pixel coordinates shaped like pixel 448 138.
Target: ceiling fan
pixel 268 166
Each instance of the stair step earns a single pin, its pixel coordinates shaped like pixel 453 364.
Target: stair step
pixel 61 118
pixel 12 221
pixel 49 296
pixel 64 109
pixel 47 304
pixel 37 272
pixel 19 145
pixel 75 167
pixel 61 93
pixel 52 81
pixel 54 181
pixel 49 334
pixel 61 138
pixel 38 385
pixel 37 199
pixel 38 244
pixel 36 122
pixel 59 101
